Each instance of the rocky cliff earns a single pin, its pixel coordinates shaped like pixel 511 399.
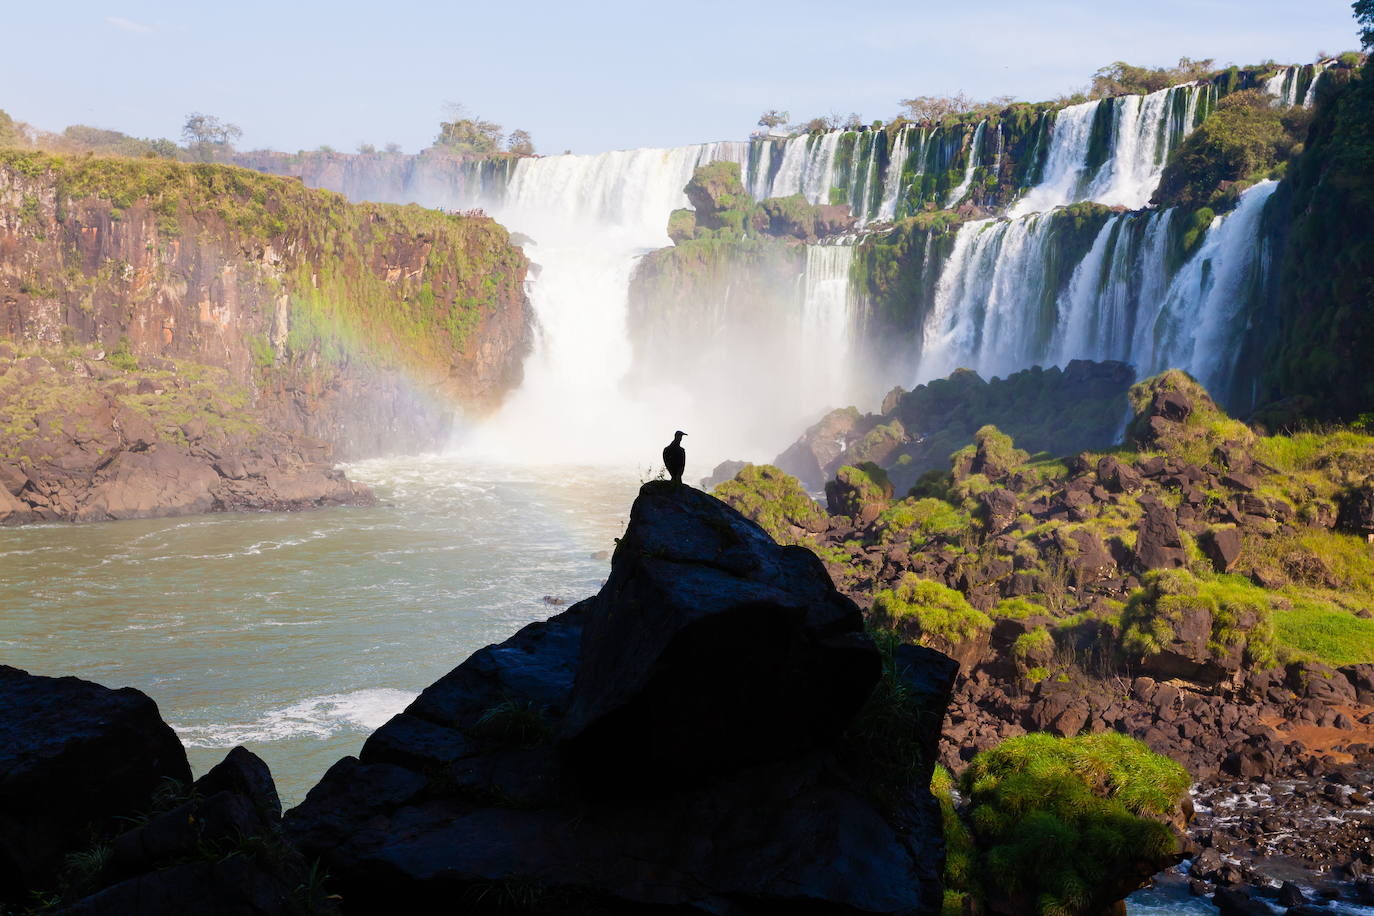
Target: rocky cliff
pixel 361 326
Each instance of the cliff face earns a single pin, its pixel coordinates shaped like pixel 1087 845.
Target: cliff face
pixel 361 325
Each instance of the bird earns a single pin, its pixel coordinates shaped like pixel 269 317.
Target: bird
pixel 675 457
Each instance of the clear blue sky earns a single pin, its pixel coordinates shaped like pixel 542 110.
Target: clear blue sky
pixel 593 76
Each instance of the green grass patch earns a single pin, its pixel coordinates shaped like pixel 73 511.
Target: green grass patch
pixel 930 611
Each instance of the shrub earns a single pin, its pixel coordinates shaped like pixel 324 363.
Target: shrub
pixel 1019 609
pixel 934 611
pixel 1068 824
pixel 961 855
pixel 121 358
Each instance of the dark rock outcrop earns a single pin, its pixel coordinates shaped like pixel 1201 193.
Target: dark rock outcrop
pixel 73 756
pixel 666 746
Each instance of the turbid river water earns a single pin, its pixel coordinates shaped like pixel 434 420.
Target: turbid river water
pixel 297 634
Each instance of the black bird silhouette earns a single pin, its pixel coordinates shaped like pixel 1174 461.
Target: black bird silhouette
pixel 675 457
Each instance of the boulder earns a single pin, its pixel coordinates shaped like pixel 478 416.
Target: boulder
pixel 1158 544
pixel 810 458
pixel 709 648
pixel 73 756
pixel 668 745
pixel 1355 509
pixel 724 471
pixel 1222 547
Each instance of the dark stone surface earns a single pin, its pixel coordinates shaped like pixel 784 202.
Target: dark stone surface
pixel 710 648
pixel 706 632
pixel 73 756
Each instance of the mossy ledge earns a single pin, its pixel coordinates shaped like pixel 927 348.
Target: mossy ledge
pixel 335 316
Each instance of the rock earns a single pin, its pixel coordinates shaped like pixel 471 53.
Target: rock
pixel 710 648
pixel 724 471
pixel 860 492
pixel 1206 865
pixel 1158 542
pixel 1291 895
pixel 811 458
pixel 243 773
pixel 705 632
pixel 1355 509
pixel 73 756
pixel 1236 902
pixel 1222 547
pixel 1361 677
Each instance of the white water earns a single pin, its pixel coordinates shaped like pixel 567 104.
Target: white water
pixel 1143 131
pixel 996 310
pixel 1283 85
pixel 1205 311
pixel 590 218
pixel 957 193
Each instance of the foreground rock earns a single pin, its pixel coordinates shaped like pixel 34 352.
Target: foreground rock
pixel 73 756
pixel 668 745
pixel 99 817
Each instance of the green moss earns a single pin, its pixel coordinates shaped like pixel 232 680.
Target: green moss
pixel 1240 613
pixel 775 500
pixel 1055 817
pixel 919 521
pixel 121 358
pixel 930 611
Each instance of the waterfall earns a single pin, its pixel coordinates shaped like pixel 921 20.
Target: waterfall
pixel 892 183
pixel 1295 85
pixel 999 305
pixel 1132 136
pixel 957 194
pixel 1207 307
pixel 827 321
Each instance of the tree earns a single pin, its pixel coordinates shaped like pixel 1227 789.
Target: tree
pixel 366 149
pixel 11 132
pixel 520 142
pixel 773 118
pixel 935 107
pixel 206 136
pixel 392 148
pixel 854 121
pixel 468 135
pixel 1364 15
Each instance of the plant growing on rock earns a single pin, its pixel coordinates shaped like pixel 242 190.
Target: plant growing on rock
pixel 1072 825
pixel 934 614
pixel 774 500
pixel 1225 617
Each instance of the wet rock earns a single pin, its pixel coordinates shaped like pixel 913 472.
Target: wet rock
pixel 1237 902
pixel 73 756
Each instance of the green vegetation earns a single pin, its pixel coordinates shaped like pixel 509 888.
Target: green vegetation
pixel 1312 630
pixel 929 611
pixel 1066 825
pixel 857 486
pixel 343 304
pixel 1121 78
pixel 1239 615
pixel 120 357
pixel 961 854
pixel 1326 299
pixel 32 406
pixel 1243 141
pixel 515 724
pixel 919 521
pixel 773 499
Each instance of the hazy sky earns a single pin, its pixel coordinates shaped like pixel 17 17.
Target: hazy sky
pixel 589 77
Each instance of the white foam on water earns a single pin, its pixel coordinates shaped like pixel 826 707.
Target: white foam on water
pixel 316 717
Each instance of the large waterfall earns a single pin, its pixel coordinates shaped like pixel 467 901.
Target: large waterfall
pixel 743 372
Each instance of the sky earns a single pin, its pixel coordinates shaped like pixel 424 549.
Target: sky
pixel 590 77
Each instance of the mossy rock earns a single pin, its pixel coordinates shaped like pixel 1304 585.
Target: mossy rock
pixel 859 491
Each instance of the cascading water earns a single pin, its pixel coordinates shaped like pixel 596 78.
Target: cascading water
pixel 1296 85
pixel 827 321
pixel 1132 135
pixel 976 145
pixel 1000 305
